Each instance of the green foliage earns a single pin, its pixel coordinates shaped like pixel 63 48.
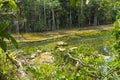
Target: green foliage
pixel 117 27
pixel 3 26
pixel 4 35
pixel 13 5
pixel 6 68
pixel 43 71
pixel 74 3
pixel 3 45
pixel 116 33
pixel 6 6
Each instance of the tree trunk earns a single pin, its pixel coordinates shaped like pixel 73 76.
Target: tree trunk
pixel 81 7
pixel 70 23
pixel 17 23
pixel 36 29
pixel 80 13
pixel 95 20
pixel 18 32
pixel 44 14
pixel 89 17
pixel 89 21
pixel 79 20
pixel 53 19
pixel 49 21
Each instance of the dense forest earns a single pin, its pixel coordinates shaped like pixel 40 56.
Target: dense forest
pixel 46 15
pixel 59 39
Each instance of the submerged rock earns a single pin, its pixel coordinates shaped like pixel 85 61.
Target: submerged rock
pixel 61 43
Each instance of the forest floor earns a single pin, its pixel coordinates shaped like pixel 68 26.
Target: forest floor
pixel 41 36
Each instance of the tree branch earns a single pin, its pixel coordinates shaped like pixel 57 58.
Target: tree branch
pixel 78 61
pixel 12 61
pixel 8 13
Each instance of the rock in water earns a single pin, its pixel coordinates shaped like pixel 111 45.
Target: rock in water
pixel 61 43
pixel 61 49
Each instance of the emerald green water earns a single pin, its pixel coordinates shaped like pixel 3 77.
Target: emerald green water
pixel 97 41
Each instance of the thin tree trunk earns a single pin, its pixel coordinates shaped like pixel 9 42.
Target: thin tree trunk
pixel 18 32
pixel 79 20
pixel 17 23
pixel 35 27
pixel 89 21
pixel 70 18
pixel 49 20
pixel 81 24
pixel 44 14
pixel 53 19
pixel 82 7
pixel 95 20
pixel 89 17
pixel 80 13
pixel 57 21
